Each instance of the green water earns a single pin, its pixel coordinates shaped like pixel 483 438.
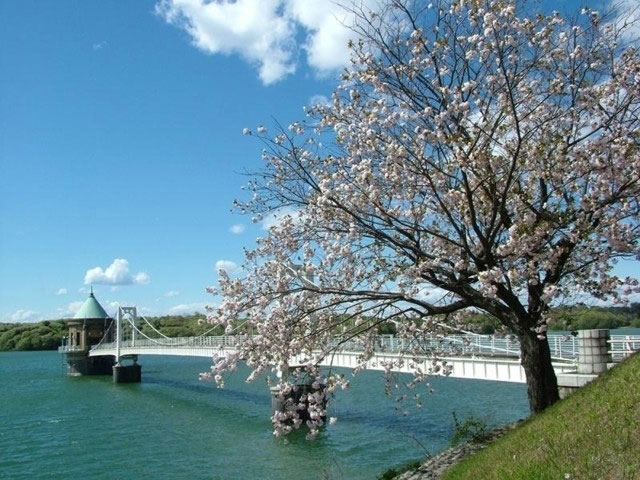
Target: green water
pixel 173 426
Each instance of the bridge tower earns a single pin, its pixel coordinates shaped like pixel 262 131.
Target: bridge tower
pixel 126 373
pixel 87 328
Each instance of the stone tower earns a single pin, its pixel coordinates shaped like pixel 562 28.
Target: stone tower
pixel 87 328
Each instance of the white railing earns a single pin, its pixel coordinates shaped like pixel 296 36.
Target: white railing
pixel 621 346
pixel 175 342
pixel 564 347
pixel 71 348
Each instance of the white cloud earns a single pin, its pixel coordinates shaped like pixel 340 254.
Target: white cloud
pixel 319 100
pixel 115 274
pixel 112 307
pixel 99 45
pixel 172 293
pixel 71 309
pixel 141 278
pixel 265 32
pixel 628 15
pixel 253 29
pixel 187 308
pixel 237 229
pixel 326 24
pixel 435 295
pixel 20 316
pixel 62 291
pixel 273 219
pixel 228 266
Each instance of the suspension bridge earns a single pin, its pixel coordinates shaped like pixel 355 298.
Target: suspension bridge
pixel 576 359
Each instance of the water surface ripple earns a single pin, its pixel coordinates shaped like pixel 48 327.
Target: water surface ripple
pixel 173 426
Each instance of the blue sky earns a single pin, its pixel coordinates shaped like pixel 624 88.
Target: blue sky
pixel 120 140
pixel 121 144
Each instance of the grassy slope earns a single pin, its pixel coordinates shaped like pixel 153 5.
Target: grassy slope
pixel 593 434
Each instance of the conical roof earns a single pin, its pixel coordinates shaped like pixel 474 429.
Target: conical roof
pixel 91 309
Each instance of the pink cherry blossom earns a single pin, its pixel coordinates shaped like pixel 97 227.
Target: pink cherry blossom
pixel 494 160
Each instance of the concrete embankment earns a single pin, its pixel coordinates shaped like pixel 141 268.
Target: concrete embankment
pixel 592 434
pixel 434 467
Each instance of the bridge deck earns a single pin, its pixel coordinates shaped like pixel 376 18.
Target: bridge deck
pixel 498 366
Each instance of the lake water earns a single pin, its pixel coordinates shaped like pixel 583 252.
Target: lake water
pixel 173 426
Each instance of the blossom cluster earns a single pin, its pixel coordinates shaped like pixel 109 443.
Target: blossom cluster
pixel 472 157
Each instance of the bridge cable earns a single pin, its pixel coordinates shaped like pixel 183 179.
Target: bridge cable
pixel 188 342
pixel 104 335
pixel 197 336
pixel 191 340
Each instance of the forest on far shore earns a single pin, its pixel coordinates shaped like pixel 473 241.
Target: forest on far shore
pixel 571 318
pixel 48 334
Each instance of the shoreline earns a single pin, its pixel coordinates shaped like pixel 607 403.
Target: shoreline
pixel 432 468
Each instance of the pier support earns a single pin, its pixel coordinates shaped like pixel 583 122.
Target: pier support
pixel 79 364
pixel 289 401
pixel 593 357
pixel 127 373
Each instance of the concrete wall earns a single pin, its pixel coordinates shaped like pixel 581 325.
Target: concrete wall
pixel 593 353
pixel 593 357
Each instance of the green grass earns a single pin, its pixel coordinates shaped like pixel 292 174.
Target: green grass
pixel 593 434
pixel 392 473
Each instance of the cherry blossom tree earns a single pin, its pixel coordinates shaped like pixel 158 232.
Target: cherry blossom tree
pixel 475 156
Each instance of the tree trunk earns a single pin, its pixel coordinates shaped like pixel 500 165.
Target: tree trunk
pixel 542 385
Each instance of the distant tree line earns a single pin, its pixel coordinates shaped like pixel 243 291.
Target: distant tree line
pixel 45 335
pixel 578 317
pixel 571 318
pixel 48 334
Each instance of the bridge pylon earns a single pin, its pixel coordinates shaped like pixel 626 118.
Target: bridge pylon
pixel 126 373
